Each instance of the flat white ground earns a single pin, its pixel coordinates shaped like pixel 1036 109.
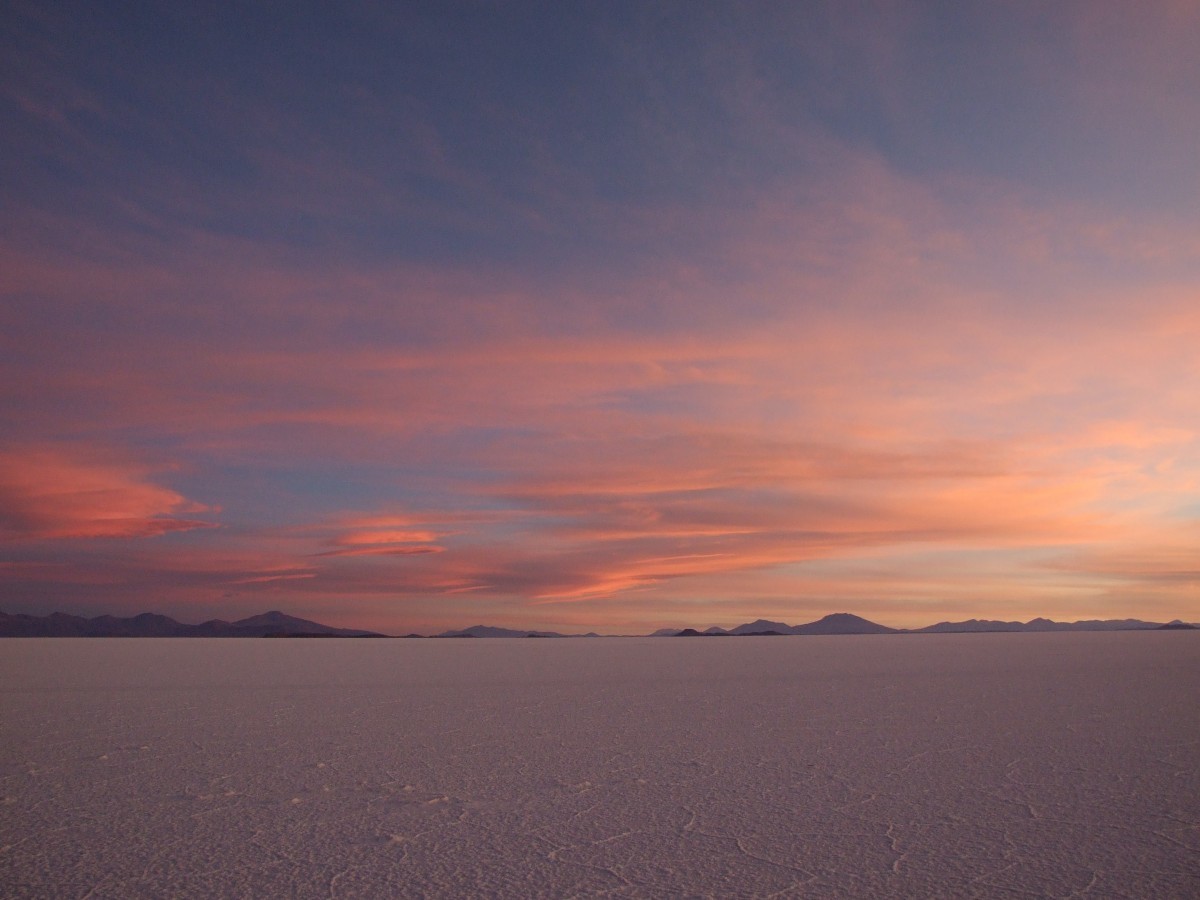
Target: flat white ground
pixel 927 765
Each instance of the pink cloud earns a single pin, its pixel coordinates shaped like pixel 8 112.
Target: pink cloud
pixel 376 534
pixel 283 576
pixel 49 494
pixel 385 550
pixel 397 536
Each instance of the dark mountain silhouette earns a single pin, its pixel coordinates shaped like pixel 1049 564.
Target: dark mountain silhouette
pixel 278 624
pixel 761 626
pixel 847 623
pixel 715 632
pixel 490 631
pixel 1038 624
pixel 835 623
pixel 674 632
pixel 843 623
pixel 972 625
pixel 53 625
pixel 839 623
pixel 149 624
pixel 270 624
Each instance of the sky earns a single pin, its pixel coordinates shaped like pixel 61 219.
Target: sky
pixel 600 316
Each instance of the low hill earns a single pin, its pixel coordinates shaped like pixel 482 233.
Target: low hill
pixel 834 623
pixel 843 623
pixel 762 626
pixel 1037 625
pixel 269 624
pixel 491 631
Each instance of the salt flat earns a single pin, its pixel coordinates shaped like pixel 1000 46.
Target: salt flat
pixel 980 765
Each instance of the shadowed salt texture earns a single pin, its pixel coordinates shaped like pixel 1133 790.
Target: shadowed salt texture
pixel 952 765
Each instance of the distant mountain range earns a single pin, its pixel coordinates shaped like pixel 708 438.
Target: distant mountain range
pixel 835 623
pixel 847 623
pixel 490 631
pixel 270 624
pixel 1049 625
pixel 277 624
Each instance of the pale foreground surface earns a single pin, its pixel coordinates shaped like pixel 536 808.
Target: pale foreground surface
pixel 932 765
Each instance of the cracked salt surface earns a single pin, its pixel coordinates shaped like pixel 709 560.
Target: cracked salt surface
pixel 1048 765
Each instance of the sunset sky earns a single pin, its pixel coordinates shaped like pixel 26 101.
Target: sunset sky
pixel 600 316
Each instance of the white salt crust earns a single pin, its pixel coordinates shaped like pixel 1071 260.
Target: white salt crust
pixel 1006 765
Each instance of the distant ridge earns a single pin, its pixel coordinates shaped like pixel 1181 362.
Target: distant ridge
pixel 834 623
pixel 490 631
pixel 762 626
pixel 1038 625
pixel 848 623
pixel 1176 625
pixel 278 624
pixel 844 623
pixel 268 624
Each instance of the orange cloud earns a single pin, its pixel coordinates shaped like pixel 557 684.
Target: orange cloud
pixel 283 576
pixel 49 494
pixel 360 538
pixel 385 550
pixel 378 535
